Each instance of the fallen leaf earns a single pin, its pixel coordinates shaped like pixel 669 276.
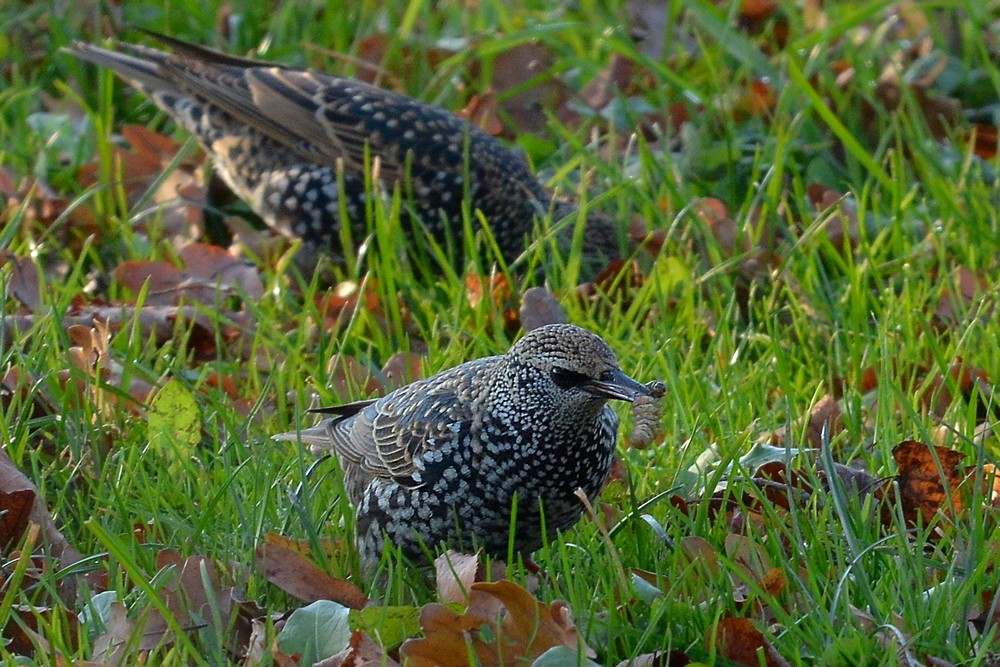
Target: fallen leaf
pixel 401 369
pixel 738 640
pixel 293 573
pixel 362 651
pixel 527 90
pixel 20 505
pixel 23 282
pixel 929 479
pixel 218 265
pixel 519 628
pixel 456 572
pixel 349 379
pixel 173 421
pixel 539 307
pixel 316 632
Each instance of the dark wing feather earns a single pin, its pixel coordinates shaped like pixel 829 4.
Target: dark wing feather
pixel 390 436
pixel 296 97
pixel 324 119
pixel 227 89
pixel 346 409
pixel 202 53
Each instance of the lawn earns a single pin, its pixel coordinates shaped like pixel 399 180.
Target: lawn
pixel 808 193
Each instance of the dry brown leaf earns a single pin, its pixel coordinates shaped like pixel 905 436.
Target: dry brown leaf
pixel 23 283
pixel 157 323
pixel 856 479
pixel 361 652
pixel 824 424
pixel 758 10
pixel 738 640
pixel 164 279
pixel 216 264
pixel 481 111
pixel 456 572
pixel 702 556
pixel 180 197
pixel 372 59
pixel 937 394
pixel 615 286
pixel 649 241
pixel 527 110
pixel 539 307
pixel 522 629
pixel 17 384
pixel 194 597
pixel 991 483
pixel 497 294
pixel 110 646
pixel 609 82
pixel 293 573
pixel 21 636
pixel 348 379
pixel 401 369
pixel 337 306
pixel 20 505
pixel 962 292
pixel 929 479
pixel 985 140
pixel 91 355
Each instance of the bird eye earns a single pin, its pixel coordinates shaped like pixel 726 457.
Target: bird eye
pixel 567 379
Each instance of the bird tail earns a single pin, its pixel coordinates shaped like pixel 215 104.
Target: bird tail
pixel 317 437
pixel 139 65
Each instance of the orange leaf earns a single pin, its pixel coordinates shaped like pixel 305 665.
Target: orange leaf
pixel 928 475
pixel 738 640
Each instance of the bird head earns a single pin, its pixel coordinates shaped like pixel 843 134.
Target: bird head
pixel 576 364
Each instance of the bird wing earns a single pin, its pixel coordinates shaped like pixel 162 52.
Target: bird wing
pixel 324 119
pixel 227 88
pixel 391 436
pixel 326 113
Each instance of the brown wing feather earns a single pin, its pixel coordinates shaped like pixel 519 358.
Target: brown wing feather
pixel 386 437
pixel 227 89
pixel 326 113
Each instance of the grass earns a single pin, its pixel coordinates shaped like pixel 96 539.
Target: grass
pixel 740 357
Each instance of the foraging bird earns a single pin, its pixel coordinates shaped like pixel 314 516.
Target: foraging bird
pixel 443 461
pixel 293 144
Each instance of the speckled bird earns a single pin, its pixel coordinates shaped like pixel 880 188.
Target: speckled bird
pixel 292 143
pixel 438 463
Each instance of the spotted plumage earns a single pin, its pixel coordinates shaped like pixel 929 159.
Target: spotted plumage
pixel 297 144
pixel 440 462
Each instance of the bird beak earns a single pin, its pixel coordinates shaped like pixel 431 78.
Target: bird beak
pixel 616 385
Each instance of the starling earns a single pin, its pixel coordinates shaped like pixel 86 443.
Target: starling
pixel 294 143
pixel 444 461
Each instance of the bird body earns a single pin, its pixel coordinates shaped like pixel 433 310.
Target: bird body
pixel 299 146
pixel 443 461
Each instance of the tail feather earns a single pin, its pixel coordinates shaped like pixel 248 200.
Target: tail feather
pixel 201 53
pixel 317 437
pixel 140 67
